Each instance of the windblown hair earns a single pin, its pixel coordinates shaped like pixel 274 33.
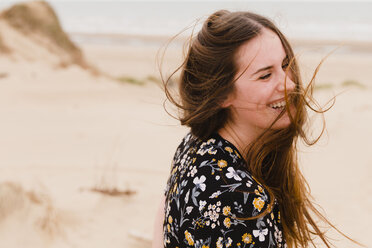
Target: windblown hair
pixel 207 78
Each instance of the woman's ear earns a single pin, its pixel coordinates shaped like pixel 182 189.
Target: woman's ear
pixel 228 101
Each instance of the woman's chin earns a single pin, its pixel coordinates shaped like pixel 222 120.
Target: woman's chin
pixel 285 120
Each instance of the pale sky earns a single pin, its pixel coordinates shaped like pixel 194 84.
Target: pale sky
pixel 14 1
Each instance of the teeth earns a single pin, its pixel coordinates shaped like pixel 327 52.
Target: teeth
pixel 277 104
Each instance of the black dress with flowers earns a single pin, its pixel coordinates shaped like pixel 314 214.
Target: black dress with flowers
pixel 213 201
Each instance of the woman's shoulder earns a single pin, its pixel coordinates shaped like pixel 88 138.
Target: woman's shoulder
pixel 214 194
pixel 217 171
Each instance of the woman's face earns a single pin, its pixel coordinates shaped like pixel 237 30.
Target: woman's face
pixel 258 96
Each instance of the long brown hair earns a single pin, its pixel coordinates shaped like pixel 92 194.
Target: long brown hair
pixel 207 78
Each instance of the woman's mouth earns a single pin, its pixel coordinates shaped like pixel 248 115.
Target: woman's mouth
pixel 278 105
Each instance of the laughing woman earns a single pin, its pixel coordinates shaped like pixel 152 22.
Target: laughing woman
pixel 235 179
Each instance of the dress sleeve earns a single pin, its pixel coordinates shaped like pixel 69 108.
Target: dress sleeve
pixel 230 219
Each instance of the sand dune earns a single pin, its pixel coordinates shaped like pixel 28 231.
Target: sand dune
pixel 31 31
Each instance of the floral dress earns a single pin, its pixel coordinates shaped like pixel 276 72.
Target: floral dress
pixel 213 201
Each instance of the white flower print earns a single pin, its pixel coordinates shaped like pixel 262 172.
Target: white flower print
pixel 214 216
pixel 278 235
pixel 269 222
pixel 199 182
pixel 249 183
pixel 260 233
pixel 232 173
pixel 201 152
pixel 229 242
pixel 215 194
pixel 189 209
pixel 187 196
pixel 193 171
pixel 202 204
pixel 168 209
pixel 219 242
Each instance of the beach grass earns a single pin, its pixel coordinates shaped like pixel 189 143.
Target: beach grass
pixel 131 80
pixel 323 86
pixel 353 83
pixel 154 79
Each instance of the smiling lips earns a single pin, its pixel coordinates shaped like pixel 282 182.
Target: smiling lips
pixel 278 104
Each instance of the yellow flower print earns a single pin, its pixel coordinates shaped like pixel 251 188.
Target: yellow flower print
pixel 227 222
pixel 270 208
pixel 226 210
pixel 237 154
pixel 205 246
pixel 279 216
pixel 175 187
pixel 222 163
pixel 227 148
pixel 272 215
pixel 189 238
pixel 258 203
pixel 212 152
pixel 260 188
pixel 247 238
pixel 170 219
pixel 168 227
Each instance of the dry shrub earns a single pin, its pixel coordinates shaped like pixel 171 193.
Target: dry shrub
pixel 3 48
pixel 50 221
pixel 34 207
pixel 12 198
pixel 113 191
pixel 108 184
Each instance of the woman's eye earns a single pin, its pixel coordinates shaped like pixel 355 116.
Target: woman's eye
pixel 266 76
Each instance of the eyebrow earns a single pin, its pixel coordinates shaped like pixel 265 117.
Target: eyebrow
pixel 267 67
pixel 263 69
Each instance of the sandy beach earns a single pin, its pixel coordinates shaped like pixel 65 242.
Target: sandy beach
pixel 67 133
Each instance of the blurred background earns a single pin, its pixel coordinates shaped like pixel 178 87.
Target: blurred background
pixel 86 145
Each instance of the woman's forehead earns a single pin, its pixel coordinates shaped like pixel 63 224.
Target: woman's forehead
pixel 264 50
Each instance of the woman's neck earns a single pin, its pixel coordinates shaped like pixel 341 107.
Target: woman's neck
pixel 240 137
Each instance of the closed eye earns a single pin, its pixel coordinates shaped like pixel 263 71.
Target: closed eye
pixel 284 66
pixel 286 63
pixel 265 76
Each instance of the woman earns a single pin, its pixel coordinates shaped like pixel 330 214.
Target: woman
pixel 235 179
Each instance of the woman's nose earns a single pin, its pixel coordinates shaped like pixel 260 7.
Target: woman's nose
pixel 286 83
